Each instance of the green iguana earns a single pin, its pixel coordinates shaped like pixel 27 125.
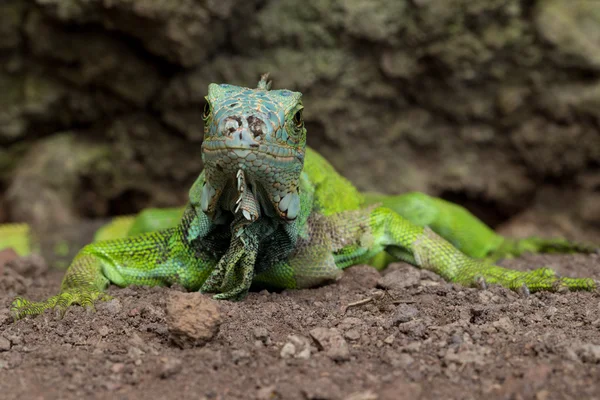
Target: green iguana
pixel 269 212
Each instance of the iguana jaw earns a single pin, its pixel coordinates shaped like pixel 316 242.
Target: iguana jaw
pixel 253 182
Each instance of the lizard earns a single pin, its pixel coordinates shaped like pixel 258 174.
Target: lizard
pixel 269 212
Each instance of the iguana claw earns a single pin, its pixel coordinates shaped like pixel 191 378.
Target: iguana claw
pixel 21 307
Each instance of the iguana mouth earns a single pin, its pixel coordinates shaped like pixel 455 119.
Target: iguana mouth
pixel 251 181
pixel 275 151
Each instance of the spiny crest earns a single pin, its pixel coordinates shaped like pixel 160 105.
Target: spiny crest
pixel 264 83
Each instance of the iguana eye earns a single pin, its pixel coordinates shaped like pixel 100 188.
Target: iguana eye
pixel 298 118
pixel 207 110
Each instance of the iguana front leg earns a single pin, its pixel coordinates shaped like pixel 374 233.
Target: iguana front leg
pixel 424 248
pixel 158 258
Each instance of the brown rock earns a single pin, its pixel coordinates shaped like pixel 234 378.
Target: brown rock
pixel 192 319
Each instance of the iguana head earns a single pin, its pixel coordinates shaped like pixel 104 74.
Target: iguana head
pixel 253 151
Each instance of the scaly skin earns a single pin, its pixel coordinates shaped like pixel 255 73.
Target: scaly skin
pixel 269 212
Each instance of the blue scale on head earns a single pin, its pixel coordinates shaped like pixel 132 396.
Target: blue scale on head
pixel 271 107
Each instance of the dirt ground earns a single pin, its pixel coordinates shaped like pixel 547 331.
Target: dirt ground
pixel 403 334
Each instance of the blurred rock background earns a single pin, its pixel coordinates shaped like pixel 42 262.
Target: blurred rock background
pixel 494 104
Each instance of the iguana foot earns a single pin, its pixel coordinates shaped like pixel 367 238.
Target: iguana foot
pixel 22 307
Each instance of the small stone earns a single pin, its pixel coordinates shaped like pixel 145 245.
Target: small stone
pixel 355 321
pixel 542 395
pixel 322 389
pixel 470 354
pixel 135 352
pixel 332 342
pixel 117 368
pixel 15 340
pixel 4 344
pixel 398 390
pixel 5 316
pixel 261 334
pixel 241 357
pixel 267 393
pixel 368 395
pixel 550 311
pixel 288 350
pixel 588 353
pixel 398 360
pixel 352 334
pixel 112 307
pixel 192 318
pixel 170 366
pixel 296 347
pixel 485 297
pixel 112 386
pixel 505 325
pixel 389 339
pixel 413 347
pixel 456 339
pixel 404 313
pixel 103 331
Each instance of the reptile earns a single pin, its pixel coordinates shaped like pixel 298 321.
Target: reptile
pixel 269 212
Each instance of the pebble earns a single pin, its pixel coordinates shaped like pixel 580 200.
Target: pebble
pixel 296 347
pixel 4 344
pixel 170 366
pixel 404 313
pixel 322 389
pixel 352 334
pixel 398 360
pixel 587 352
pixel 117 368
pixel 505 325
pixel 262 334
pixel 267 393
pixel 241 357
pixel 332 342
pixel 103 331
pixel 389 339
pixel 368 395
pixel 112 307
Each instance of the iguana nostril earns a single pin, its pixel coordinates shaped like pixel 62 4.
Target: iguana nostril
pixel 256 126
pixel 232 124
